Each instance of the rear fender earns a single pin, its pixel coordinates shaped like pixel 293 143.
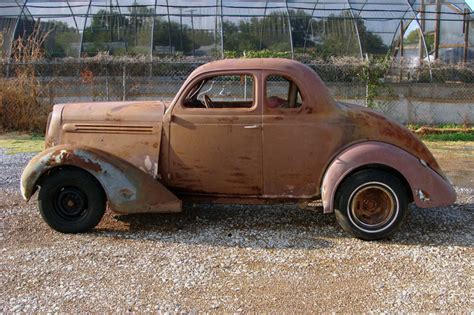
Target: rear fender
pixel 128 189
pixel 428 188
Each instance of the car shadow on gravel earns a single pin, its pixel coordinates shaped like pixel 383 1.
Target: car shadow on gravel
pixel 257 226
pixel 282 226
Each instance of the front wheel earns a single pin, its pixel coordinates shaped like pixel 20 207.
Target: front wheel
pixel 371 204
pixel 71 201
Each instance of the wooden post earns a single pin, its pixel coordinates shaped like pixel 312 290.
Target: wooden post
pixel 437 26
pixel 466 35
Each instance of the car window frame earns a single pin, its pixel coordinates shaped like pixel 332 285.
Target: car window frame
pixel 288 77
pixel 204 76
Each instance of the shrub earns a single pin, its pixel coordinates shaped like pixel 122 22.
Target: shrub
pixel 19 109
pixel 19 106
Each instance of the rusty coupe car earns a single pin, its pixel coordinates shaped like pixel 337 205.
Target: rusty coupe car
pixel 238 131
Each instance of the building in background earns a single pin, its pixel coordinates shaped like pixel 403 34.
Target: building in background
pixel 417 30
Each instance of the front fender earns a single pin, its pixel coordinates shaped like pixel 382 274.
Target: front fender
pixel 428 188
pixel 128 189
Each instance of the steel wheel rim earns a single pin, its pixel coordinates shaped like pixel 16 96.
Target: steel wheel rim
pixel 373 207
pixel 70 203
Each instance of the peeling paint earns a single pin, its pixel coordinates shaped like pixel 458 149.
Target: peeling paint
pixel 126 193
pixel 148 164
pixel 128 189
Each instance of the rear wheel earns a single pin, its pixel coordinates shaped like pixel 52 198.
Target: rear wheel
pixel 71 201
pixel 371 204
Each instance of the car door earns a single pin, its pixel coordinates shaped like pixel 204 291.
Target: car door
pixel 217 149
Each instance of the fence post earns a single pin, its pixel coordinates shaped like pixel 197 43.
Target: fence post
pixel 107 83
pixel 410 109
pixel 8 67
pixel 151 67
pixel 50 93
pixel 124 83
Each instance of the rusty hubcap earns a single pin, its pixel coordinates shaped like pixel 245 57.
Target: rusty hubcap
pixel 372 206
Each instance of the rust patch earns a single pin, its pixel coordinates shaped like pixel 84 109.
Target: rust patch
pixel 69 157
pixel 49 143
pixel 238 174
pixel 236 181
pixel 371 125
pixel 228 119
pixel 246 158
pixel 126 193
pixel 120 107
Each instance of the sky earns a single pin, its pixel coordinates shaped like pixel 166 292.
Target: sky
pixel 471 3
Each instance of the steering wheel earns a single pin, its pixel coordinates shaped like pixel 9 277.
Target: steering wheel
pixel 207 101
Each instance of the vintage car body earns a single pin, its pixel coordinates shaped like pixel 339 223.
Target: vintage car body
pixel 148 156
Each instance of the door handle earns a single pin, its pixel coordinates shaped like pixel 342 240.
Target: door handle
pixel 252 127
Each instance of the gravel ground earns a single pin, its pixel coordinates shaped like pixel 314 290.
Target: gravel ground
pixel 227 258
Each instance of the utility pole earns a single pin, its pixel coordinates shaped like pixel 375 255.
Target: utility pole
pixel 437 31
pixel 466 35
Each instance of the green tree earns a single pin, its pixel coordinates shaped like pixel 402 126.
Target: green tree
pixel 412 38
pixel 299 27
pixel 138 34
pixel 371 43
pixel 105 28
pixel 62 41
pixel 172 34
pixel 332 36
pixel 241 37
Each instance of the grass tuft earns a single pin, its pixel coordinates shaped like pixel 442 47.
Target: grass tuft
pixel 455 136
pixel 14 143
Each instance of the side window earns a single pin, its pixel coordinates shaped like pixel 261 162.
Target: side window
pixel 282 93
pixel 223 91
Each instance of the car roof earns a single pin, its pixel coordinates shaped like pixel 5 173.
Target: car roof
pixel 278 64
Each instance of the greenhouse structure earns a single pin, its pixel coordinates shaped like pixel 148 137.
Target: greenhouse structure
pixel 414 29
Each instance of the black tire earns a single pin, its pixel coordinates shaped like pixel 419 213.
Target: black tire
pixel 371 204
pixel 71 201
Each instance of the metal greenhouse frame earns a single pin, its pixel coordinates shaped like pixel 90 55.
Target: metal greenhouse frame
pixel 414 29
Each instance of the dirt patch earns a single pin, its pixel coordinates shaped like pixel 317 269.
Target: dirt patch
pixel 456 160
pixel 436 131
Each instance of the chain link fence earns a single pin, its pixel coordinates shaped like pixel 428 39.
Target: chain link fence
pixel 439 94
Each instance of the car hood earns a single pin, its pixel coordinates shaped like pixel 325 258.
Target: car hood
pixel 371 125
pixel 135 111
